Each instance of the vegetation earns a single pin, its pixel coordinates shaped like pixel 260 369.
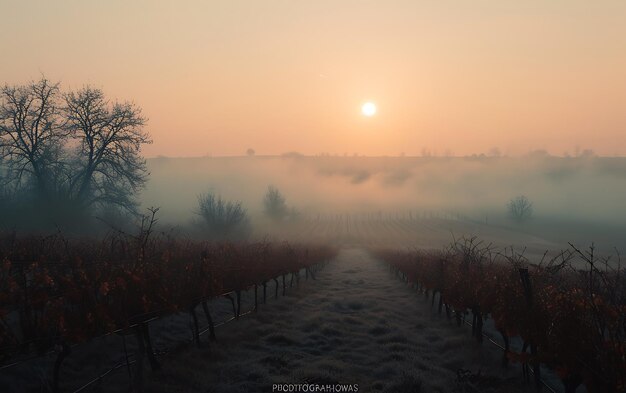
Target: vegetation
pixel 55 292
pixel 275 204
pixel 223 219
pixel 520 209
pixel 572 320
pixel 67 155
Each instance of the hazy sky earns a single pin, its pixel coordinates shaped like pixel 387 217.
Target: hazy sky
pixel 217 77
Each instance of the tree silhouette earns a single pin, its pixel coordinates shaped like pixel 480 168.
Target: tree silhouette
pixel 31 136
pixel 520 208
pixel 275 204
pixel 223 218
pixel 107 168
pixel 75 151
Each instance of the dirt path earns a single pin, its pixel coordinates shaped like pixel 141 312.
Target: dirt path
pixel 355 324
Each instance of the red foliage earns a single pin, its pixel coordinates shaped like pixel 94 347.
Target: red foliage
pixel 576 319
pixel 53 290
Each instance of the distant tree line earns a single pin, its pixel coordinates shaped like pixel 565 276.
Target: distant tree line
pixel 68 155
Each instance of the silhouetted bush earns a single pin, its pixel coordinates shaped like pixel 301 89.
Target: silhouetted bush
pixel 275 204
pixel 224 219
pixel 520 209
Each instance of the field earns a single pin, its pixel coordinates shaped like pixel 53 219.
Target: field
pixel 376 286
pixel 408 201
pixel 82 316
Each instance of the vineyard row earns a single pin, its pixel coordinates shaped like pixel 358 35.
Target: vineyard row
pixel 572 321
pixel 56 293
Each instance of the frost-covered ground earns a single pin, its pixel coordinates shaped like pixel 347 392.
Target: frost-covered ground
pixel 355 324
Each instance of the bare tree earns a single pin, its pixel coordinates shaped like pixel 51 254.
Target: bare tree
pixel 107 167
pixel 223 218
pixel 520 208
pixel 275 204
pixel 72 152
pixel 31 135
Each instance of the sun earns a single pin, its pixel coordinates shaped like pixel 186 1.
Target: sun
pixel 369 109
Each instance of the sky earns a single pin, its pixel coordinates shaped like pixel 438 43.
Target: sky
pixel 453 77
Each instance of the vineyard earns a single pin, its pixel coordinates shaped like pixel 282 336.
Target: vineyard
pixel 422 229
pixel 57 293
pixel 571 320
pixel 59 296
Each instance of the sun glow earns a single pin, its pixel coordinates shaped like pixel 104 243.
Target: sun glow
pixel 369 109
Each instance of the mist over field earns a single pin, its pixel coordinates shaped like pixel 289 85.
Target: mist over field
pixel 574 199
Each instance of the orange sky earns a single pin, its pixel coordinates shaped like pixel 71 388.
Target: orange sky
pixel 217 77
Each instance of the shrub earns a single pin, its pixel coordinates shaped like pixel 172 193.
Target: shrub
pixel 221 218
pixel 275 204
pixel 520 209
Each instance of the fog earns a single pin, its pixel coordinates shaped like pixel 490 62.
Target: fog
pixel 574 199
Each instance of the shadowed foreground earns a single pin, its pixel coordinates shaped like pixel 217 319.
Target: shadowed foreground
pixel 356 324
